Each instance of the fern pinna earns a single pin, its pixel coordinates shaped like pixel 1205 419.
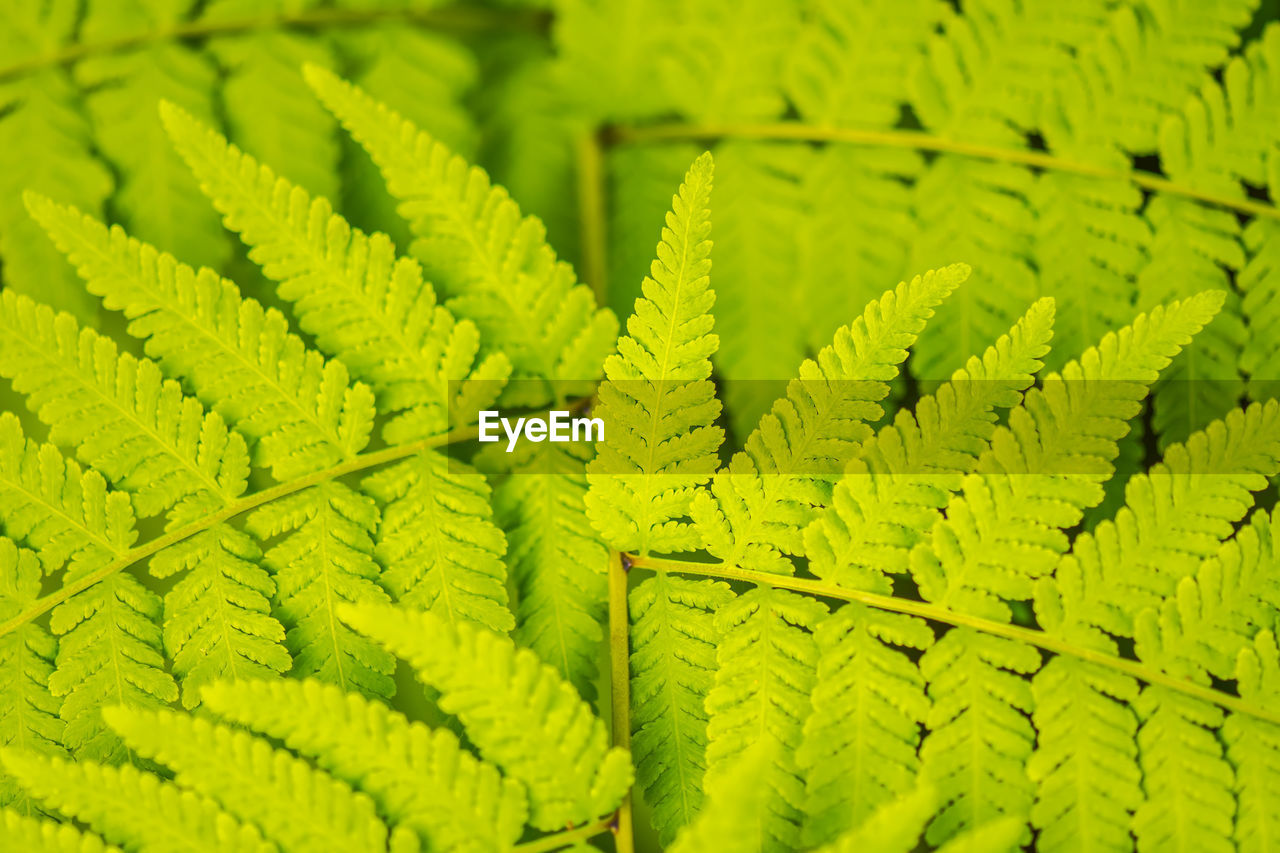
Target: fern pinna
pixel 848 631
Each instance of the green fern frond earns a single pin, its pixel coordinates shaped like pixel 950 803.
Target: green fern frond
pixel 217 617
pixel 156 199
pixel 109 647
pixel 894 490
pixel 259 96
pixel 1107 580
pixel 132 807
pixel 849 66
pixel 28 711
pixel 735 807
pixel 894 827
pixel 437 538
pixel 1186 778
pixel 373 311
pixel 493 264
pixel 555 559
pixel 292 803
pixel 860 741
pixel 1191 247
pixel 757 507
pixel 726 64
pixel 419 778
pixel 1259 282
pixel 1006 530
pixel 241 359
pixel 766 669
pixel 44 145
pixel 758 201
pixel 674 637
pixel 1047 466
pixel 326 560
pixel 658 403
pixel 1253 746
pixel 124 418
pixel 1200 490
pixel 163 448
pixel 43 836
pixel 516 709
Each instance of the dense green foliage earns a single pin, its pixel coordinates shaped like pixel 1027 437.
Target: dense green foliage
pixel 988 560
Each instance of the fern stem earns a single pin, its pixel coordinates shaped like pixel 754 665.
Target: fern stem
pixel 920 141
pixel 460 18
pixel 591 212
pixel 564 839
pixel 357 463
pixel 942 614
pixel 620 687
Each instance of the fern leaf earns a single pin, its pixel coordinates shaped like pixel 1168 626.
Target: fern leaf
pixel 1090 246
pixel 555 559
pixel 850 65
pixel 132 807
pixel 425 76
pixel 292 803
pixel 109 651
pixel 217 618
pixel 127 421
pixel 1253 747
pixel 847 248
pixel 895 488
pixel 859 748
pixel 1086 762
pixel 735 807
pixel 766 669
pixel 1142 67
pixel 45 145
pixel 658 403
pixel 419 778
pixel 326 560
pixel 1047 465
pixel 673 660
pixel 1192 245
pixel 266 110
pixel 439 542
pixel 727 59
pixel 979 211
pixel 517 711
pixel 28 711
pixel 156 199
pixel 1187 780
pixel 241 359
pixel 1198 491
pixel 759 201
pixel 42 836
pixel 492 263
pixel 362 304
pixel 894 827
pixel 1260 282
pixel 757 507
pixel 1035 480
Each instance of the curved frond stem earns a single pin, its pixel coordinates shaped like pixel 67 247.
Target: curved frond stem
pixel 567 838
pixel 362 462
pixel 620 686
pixel 951 617
pixel 920 141
pixel 459 18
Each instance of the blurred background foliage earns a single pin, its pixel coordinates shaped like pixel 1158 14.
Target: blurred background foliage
pixel 857 142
